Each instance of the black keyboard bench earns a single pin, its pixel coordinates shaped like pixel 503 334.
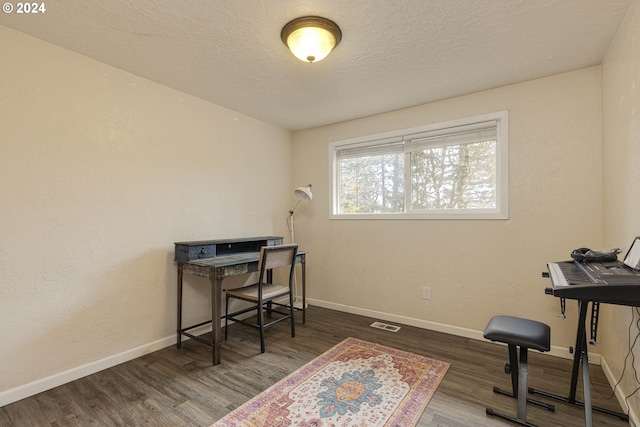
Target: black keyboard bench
pixel 526 334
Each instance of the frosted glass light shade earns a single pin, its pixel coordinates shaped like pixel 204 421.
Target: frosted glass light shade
pixel 311 38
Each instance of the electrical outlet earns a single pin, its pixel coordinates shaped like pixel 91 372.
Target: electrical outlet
pixel 426 292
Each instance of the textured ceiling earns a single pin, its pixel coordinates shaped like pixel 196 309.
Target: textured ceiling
pixel 394 53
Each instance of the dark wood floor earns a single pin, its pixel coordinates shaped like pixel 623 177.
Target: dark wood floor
pixel 174 387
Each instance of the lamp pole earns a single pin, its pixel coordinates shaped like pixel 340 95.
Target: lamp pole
pixel 303 194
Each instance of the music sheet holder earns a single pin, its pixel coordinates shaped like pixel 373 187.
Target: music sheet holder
pixel 632 258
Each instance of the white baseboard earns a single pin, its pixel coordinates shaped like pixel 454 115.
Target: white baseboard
pixel 434 326
pixel 52 381
pixel 634 416
pixel 47 383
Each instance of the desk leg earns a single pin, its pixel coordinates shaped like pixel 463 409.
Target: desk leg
pixel 179 330
pixel 304 288
pixel 216 314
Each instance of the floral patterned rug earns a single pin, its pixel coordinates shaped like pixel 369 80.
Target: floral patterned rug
pixel 356 383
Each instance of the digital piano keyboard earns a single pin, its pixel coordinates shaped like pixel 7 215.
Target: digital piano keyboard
pixel 609 282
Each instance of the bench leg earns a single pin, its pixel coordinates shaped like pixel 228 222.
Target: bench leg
pixel 519 371
pixel 523 370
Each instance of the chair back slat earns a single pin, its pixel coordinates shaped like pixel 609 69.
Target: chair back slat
pixel 277 256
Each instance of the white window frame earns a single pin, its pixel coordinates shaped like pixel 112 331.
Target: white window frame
pixel 501 211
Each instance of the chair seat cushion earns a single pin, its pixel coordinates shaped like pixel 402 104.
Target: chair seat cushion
pixel 250 292
pixel 520 332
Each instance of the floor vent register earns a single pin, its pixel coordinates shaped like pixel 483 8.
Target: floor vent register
pixel 385 326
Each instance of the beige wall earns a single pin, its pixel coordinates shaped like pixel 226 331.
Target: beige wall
pixel 621 164
pixel 100 172
pixel 475 269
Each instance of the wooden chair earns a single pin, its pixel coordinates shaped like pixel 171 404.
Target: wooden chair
pixel 264 292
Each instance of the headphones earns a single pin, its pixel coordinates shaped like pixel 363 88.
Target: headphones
pixel 587 255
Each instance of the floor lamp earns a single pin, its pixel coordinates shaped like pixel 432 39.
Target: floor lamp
pixel 303 194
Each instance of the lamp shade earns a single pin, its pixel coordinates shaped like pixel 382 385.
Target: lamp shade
pixel 304 193
pixel 311 38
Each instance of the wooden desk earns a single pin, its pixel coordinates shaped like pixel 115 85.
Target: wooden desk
pixel 224 258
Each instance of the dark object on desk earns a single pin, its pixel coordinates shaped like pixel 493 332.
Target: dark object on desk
pixel 229 260
pixel 264 293
pixel 524 333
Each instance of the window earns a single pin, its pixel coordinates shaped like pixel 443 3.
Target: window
pixel 454 170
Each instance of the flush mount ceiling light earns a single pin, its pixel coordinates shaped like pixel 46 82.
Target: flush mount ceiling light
pixel 311 38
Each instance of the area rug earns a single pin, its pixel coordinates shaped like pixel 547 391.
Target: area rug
pixel 356 383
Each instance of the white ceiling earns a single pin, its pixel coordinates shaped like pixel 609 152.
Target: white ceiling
pixel 394 53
